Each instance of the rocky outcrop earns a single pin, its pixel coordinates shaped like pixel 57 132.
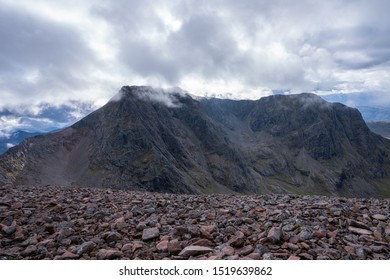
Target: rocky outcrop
pixel 90 223
pixel 150 140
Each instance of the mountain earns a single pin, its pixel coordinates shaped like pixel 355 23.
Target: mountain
pixel 149 139
pixel 18 124
pixel 14 139
pixel 373 106
pixel 375 113
pixel 380 127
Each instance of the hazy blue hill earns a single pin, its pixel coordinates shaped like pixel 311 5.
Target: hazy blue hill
pixel 14 139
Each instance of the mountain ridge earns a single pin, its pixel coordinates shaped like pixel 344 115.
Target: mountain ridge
pixel 153 140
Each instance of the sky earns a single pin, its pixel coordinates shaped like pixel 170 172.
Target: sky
pixel 56 52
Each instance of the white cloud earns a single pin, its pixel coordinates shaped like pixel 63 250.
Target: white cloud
pixel 56 51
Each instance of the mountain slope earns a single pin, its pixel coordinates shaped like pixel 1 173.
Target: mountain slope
pixel 152 140
pixel 380 127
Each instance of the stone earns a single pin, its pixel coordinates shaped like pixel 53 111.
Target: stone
pixel 110 254
pixel 227 250
pixel 332 234
pixel 162 246
pixel 141 226
pixel 194 251
pixel 361 254
pixel 305 245
pixel 378 234
pixel 254 256
pixel 85 248
pixel 245 250
pixel 49 243
pixel 136 246
pixel 321 257
pixel 207 230
pixel 379 217
pixel 150 233
pixel 120 224
pixel 237 240
pixel 305 235
pixel 306 256
pixel 19 234
pixel 292 246
pixel 268 256
pixel 64 233
pixel 350 249
pixel 359 230
pixel 67 256
pixel 358 224
pixel 30 250
pixel 203 242
pixel 113 236
pixel 174 247
pixel 320 233
pixel 7 230
pixel 127 247
pixel 274 235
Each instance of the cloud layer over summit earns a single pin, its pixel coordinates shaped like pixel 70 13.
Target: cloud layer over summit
pixel 56 51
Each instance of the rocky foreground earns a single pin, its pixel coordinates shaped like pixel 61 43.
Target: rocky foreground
pixel 89 223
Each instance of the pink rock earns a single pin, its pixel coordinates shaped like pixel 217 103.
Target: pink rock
pixel 137 246
pixel 350 249
pixel 359 230
pixel 332 234
pixel 237 240
pixel 120 223
pixel 174 247
pixel 293 258
pixel 274 235
pixel 162 246
pixel 320 233
pixel 150 233
pixel 306 256
pixel 227 250
pixel 67 256
pixel 203 242
pixel 379 217
pixel 194 251
pixel 104 254
pixel 254 256
pixel 245 250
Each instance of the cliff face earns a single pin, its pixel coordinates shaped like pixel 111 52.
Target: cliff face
pixel 147 139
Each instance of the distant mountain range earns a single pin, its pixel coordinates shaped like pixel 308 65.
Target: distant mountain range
pixel 14 139
pixel 149 139
pixel 371 105
pixel 16 125
pixel 379 127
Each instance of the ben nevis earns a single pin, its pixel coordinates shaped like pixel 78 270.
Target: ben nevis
pixel 148 139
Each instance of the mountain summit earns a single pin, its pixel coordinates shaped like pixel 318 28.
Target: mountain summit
pixel 154 140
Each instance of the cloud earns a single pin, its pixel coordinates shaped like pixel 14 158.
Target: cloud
pixel 43 118
pixel 168 97
pixel 55 51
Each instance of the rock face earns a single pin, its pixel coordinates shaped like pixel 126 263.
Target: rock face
pixel 243 227
pixel 151 140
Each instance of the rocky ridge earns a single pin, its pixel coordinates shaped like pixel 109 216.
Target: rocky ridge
pixel 91 223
